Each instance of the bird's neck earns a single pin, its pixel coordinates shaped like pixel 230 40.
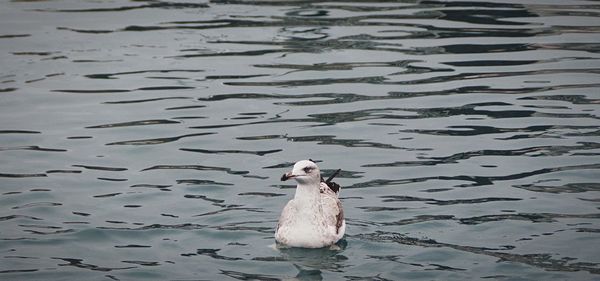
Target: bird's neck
pixel 306 192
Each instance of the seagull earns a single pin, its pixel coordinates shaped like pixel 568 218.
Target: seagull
pixel 314 218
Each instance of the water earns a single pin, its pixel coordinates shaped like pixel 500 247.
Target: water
pixel 144 140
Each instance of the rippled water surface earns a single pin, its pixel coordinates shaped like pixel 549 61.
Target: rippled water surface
pixel 144 140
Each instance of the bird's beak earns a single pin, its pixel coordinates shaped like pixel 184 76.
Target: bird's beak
pixel 287 176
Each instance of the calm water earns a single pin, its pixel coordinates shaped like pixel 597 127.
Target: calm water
pixel 144 140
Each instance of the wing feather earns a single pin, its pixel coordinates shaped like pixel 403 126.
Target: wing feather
pixel 332 209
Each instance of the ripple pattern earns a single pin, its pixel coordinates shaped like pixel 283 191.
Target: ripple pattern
pixel 144 140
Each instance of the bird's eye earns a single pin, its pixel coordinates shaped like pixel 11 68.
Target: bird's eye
pixel 307 169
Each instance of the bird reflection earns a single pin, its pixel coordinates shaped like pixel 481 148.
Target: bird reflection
pixel 310 262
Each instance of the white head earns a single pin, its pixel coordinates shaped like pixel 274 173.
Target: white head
pixel 304 172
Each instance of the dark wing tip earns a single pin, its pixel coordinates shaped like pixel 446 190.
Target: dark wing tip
pixel 333 175
pixel 333 186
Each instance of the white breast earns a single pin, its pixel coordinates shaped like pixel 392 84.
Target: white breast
pixel 311 224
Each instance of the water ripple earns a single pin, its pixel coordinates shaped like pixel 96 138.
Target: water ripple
pixel 208 151
pixel 11 175
pixel 155 5
pixel 33 148
pixel 157 140
pixel 101 168
pixel 80 264
pixel 474 180
pixel 466 134
pixel 535 151
pixel 538 260
pixel 116 74
pixel 134 123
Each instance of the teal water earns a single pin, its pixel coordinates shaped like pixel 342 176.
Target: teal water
pixel 144 140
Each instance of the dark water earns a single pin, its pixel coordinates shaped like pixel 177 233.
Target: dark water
pixel 144 140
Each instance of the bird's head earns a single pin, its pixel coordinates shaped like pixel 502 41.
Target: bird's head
pixel 304 172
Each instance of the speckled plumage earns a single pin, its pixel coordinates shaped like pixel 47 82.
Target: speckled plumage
pixel 314 218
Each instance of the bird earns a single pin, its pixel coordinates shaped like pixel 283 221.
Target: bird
pixel 314 218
